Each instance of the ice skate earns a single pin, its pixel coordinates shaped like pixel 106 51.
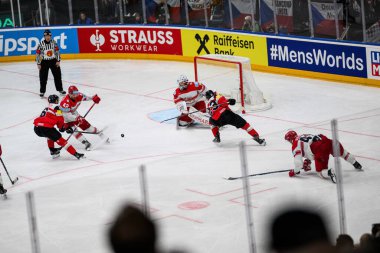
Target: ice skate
pixel 55 153
pixel 358 166
pixel 217 138
pixel 87 145
pixel 262 142
pixel 331 175
pixel 2 190
pixel 79 155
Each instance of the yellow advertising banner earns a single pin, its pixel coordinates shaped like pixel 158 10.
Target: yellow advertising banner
pixel 200 42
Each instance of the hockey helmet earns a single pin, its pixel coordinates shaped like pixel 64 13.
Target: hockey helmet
pixel 210 94
pixel 53 99
pixel 47 32
pixel 290 136
pixel 182 82
pixel 73 90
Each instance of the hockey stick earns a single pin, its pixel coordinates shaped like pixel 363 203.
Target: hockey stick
pixel 84 132
pixel 194 112
pixel 88 111
pixel 5 168
pixel 257 174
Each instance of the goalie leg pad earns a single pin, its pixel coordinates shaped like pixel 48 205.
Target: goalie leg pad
pixel 199 116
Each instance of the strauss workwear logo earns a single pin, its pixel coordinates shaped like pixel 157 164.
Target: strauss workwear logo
pixel 202 43
pixel 97 40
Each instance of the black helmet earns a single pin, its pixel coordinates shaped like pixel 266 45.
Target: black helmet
pixel 210 94
pixel 47 32
pixel 53 99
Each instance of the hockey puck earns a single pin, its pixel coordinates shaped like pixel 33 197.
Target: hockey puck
pixel 122 135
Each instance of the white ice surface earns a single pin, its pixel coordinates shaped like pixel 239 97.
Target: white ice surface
pixel 76 200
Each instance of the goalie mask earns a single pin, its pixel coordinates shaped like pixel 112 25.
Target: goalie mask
pixel 291 136
pixel 182 82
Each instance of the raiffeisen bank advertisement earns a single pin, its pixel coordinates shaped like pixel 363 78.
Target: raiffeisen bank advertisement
pixel 18 42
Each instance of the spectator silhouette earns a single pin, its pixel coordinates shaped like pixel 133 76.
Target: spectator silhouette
pixel 366 241
pixel 247 25
pixel 133 232
pixel 83 19
pixel 297 230
pixel 344 244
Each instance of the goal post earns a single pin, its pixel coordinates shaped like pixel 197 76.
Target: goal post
pixel 231 76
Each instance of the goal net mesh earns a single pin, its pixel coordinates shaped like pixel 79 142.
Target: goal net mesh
pixel 229 75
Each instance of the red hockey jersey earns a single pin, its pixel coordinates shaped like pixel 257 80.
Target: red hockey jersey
pixel 71 105
pixel 51 116
pixel 217 106
pixel 191 95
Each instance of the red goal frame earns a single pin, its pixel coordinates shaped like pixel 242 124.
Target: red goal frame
pixel 239 64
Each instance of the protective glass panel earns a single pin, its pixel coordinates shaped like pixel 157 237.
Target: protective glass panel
pixel 132 10
pixel 61 12
pixel 109 11
pixel 267 23
pixel 30 13
pixel 372 20
pixel 6 19
pixel 83 12
pixel 353 29
pixel 199 12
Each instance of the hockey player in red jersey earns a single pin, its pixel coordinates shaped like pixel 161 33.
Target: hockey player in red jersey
pixel 69 106
pixel 189 96
pixel 317 148
pixel 44 126
pixel 222 115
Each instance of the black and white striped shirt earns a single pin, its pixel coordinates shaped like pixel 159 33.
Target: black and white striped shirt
pixel 47 51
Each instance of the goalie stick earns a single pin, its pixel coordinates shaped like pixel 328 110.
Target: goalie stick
pixel 193 112
pixel 257 174
pixel 5 168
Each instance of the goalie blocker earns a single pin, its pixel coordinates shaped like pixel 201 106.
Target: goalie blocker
pixel 222 115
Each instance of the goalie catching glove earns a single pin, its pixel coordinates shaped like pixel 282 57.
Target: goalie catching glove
pixel 182 107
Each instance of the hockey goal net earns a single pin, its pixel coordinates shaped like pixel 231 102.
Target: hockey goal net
pixel 231 76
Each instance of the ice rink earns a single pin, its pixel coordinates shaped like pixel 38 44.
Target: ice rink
pixel 194 207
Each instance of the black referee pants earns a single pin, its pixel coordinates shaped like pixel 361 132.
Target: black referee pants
pixel 44 71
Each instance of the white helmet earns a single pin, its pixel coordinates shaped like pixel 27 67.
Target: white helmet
pixel 182 82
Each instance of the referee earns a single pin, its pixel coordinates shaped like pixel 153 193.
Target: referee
pixel 48 58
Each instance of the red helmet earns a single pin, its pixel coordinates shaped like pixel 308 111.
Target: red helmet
pixel 291 136
pixel 73 89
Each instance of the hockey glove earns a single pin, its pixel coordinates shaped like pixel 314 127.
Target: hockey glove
pixel 306 165
pixel 69 130
pixel 232 101
pixel 96 99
